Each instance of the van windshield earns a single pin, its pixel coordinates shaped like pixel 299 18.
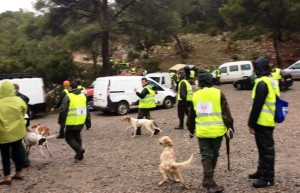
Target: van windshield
pixel 157 79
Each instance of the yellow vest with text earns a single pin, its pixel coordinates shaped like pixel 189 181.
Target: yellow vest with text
pixel 77 109
pixel 267 114
pixel 209 121
pixel 189 90
pixel 148 101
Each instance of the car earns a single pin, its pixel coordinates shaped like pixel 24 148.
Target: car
pixel 247 83
pixel 294 70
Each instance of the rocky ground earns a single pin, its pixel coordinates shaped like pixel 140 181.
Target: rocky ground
pixel 114 162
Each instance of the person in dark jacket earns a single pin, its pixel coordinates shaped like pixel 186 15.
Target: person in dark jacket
pixel 261 123
pixel 66 85
pixel 209 119
pixel 184 97
pixel 146 103
pixel 75 114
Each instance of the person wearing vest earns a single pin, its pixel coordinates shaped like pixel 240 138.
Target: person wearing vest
pixel 12 131
pixel 218 76
pixel 133 70
pixel 192 74
pixel 75 115
pixel 66 85
pixel 276 74
pixel 146 102
pixel 261 123
pixel 209 119
pixel 184 97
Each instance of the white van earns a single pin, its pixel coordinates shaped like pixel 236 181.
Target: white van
pixel 162 78
pixel 32 86
pixel 116 93
pixel 232 71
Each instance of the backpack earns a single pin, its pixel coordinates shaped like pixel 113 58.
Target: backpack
pixel 281 110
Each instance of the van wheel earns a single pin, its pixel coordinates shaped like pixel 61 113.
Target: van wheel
pixel 239 86
pixel 122 108
pixel 31 113
pixel 168 103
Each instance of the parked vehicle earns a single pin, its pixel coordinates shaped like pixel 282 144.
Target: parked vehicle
pixel 294 70
pixel 247 83
pixel 89 93
pixel 31 85
pixel 162 78
pixel 116 93
pixel 232 71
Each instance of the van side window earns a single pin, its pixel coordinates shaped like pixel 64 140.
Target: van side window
pixel 154 86
pixel 234 68
pixel 297 66
pixel 245 67
pixel 223 70
pixel 163 80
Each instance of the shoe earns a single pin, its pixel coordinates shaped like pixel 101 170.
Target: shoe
pixel 254 176
pixel 156 131
pixel 179 128
pixel 17 177
pixel 26 164
pixel 79 154
pixel 60 137
pixel 215 189
pixel 260 183
pixel 7 182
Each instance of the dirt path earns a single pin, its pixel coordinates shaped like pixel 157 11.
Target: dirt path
pixel 116 163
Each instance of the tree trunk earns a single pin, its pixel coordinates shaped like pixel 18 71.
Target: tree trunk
pixel 277 49
pixel 94 58
pixel 106 67
pixel 181 49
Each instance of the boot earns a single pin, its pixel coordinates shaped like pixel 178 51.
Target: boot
pixel 61 132
pixel 180 127
pixel 6 180
pixel 262 183
pixel 156 131
pixel 138 131
pixel 208 179
pixel 255 175
pixel 18 176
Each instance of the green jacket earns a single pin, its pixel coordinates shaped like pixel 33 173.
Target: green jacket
pixel 12 111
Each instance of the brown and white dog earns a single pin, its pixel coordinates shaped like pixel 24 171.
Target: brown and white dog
pixel 135 123
pixel 168 165
pixel 44 131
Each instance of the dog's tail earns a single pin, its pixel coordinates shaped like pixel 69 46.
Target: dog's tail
pixel 185 164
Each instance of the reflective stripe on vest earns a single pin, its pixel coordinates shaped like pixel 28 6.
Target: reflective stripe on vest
pixel 77 109
pixel 267 114
pixel 148 101
pixel 209 121
pixel 188 88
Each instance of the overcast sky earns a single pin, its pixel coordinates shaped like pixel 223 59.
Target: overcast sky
pixel 15 5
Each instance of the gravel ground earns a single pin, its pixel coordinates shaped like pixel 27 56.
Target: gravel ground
pixel 114 162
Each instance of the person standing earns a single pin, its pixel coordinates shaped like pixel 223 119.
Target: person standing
pixel 184 97
pixel 261 123
pixel 218 76
pixel 66 85
pixel 12 130
pixel 276 75
pixel 146 102
pixel 209 119
pixel 75 115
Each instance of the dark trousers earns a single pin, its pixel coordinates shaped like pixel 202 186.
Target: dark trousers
pixel 209 147
pixel 218 81
pixel 182 109
pixel 11 151
pixel 73 137
pixel 266 151
pixel 144 113
pixel 61 124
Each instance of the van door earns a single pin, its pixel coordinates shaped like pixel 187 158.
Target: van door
pixel 234 73
pixel 224 74
pixel 101 90
pixel 246 69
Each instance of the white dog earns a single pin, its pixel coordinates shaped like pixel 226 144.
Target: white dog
pixel 135 123
pixel 168 164
pixel 39 140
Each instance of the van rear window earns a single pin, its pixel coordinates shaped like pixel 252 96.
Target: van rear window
pixel 234 68
pixel 245 67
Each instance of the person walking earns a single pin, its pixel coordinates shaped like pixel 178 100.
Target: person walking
pixel 261 123
pixel 218 76
pixel 184 97
pixel 75 115
pixel 66 85
pixel 12 130
pixel 209 119
pixel 146 102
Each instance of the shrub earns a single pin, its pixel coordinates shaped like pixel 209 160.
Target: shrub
pixel 151 64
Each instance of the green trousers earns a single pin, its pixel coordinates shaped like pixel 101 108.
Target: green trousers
pixel 209 147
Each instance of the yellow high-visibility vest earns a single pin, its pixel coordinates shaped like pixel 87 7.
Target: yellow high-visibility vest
pixel 189 90
pixel 77 109
pixel 209 121
pixel 148 101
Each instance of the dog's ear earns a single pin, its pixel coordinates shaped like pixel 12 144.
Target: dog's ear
pixel 168 142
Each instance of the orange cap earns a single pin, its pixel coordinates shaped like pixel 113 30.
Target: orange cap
pixel 66 83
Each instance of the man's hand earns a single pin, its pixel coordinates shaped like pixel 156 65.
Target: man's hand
pixel 251 131
pixel 229 133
